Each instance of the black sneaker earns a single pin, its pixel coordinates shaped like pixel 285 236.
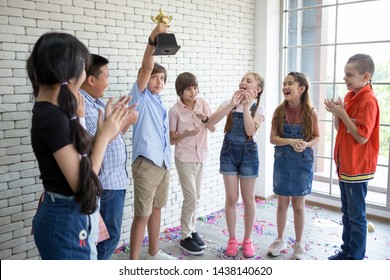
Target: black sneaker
pixel 339 256
pixel 189 245
pixel 198 240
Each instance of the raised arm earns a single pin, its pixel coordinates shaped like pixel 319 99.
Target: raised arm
pixel 222 111
pixel 148 60
pixel 251 124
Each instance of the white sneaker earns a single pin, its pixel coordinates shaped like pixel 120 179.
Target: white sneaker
pixel 161 256
pixel 299 252
pixel 276 247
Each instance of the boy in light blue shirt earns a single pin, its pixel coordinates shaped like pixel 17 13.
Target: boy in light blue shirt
pixel 151 153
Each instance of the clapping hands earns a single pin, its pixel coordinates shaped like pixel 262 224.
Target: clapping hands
pixel 130 113
pixel 336 107
pixel 242 96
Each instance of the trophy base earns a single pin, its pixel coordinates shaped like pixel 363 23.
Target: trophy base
pixel 166 44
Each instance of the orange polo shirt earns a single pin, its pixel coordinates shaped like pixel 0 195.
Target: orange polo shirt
pixel 357 162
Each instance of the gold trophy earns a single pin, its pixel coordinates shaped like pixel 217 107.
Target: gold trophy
pixel 165 43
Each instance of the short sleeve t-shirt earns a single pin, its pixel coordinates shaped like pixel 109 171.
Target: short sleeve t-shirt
pixel 50 131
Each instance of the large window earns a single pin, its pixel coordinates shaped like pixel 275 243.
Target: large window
pixel 319 37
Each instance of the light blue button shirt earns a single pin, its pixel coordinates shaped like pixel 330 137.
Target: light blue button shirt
pixel 151 131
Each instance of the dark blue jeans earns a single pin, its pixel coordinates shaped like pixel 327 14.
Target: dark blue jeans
pixel 111 210
pixel 353 206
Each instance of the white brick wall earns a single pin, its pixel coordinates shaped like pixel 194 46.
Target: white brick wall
pixel 217 45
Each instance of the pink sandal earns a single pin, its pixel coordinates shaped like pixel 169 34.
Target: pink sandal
pixel 247 248
pixel 232 248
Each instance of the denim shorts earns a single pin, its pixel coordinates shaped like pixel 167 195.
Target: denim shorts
pixel 240 159
pixel 61 232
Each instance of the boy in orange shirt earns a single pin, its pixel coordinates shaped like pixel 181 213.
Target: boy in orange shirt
pixel 356 151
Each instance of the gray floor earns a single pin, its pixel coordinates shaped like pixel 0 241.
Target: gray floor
pixel 322 235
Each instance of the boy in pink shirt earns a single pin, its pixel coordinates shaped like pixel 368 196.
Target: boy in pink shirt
pixel 188 132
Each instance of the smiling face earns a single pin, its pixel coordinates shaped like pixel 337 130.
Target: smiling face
pixel 189 95
pixel 353 79
pixel 98 84
pixel 292 91
pixel 102 80
pixel 249 82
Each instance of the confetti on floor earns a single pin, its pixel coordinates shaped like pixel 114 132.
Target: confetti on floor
pixel 321 237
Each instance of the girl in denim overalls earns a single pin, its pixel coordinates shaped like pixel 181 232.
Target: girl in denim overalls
pixel 239 160
pixel 294 132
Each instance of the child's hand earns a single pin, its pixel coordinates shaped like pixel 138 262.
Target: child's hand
pixel 123 101
pixel 111 125
pixel 200 115
pixel 337 107
pixel 237 97
pixel 298 145
pixel 160 28
pixel 80 113
pixel 248 96
pixel 132 114
pixel 301 146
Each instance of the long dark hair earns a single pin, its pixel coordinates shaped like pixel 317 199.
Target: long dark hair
pixel 307 120
pixel 57 58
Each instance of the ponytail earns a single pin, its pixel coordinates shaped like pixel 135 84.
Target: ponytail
pixel 89 186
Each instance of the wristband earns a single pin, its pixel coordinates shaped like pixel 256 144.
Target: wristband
pixel 206 120
pixel 151 42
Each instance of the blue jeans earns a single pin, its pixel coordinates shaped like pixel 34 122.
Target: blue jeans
pixel 353 206
pixel 61 232
pixel 111 210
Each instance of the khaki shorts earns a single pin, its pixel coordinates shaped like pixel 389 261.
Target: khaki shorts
pixel 151 184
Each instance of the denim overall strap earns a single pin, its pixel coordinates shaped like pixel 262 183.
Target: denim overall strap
pixel 237 133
